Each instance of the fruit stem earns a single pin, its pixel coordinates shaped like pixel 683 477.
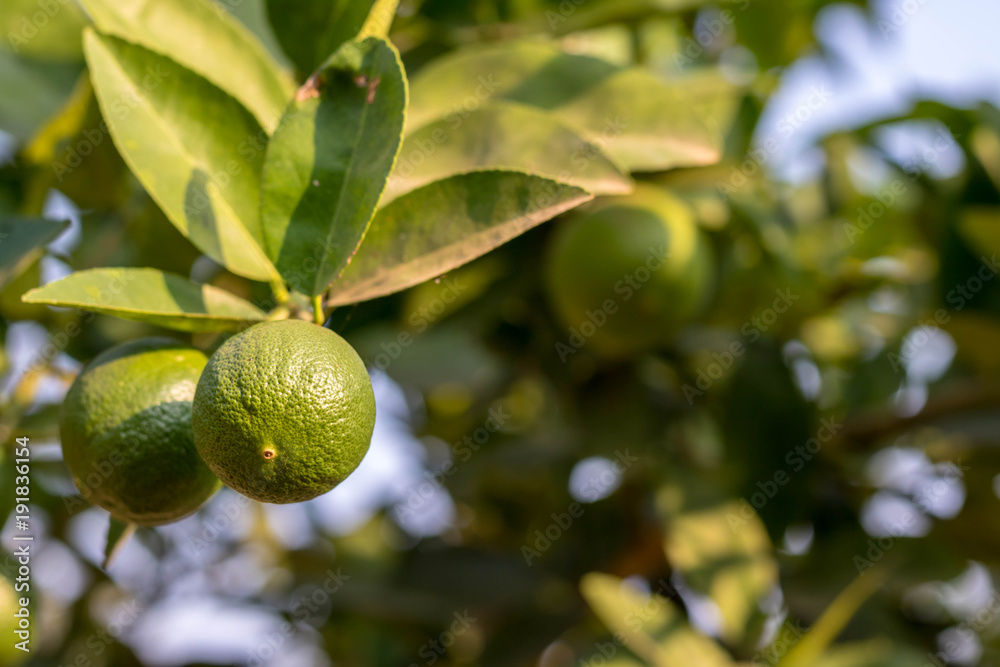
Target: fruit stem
pixel 280 293
pixel 279 313
pixel 317 303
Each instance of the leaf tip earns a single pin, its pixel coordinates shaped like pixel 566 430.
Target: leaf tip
pixel 27 298
pixel 119 533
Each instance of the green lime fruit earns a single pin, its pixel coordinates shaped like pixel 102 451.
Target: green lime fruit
pixel 284 411
pixel 126 432
pixel 627 272
pixel 10 655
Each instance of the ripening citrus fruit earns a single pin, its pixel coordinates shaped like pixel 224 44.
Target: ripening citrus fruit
pixel 284 411
pixel 126 432
pixel 10 655
pixel 626 272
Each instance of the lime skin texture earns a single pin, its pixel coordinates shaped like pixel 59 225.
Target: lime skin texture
pixel 126 432
pixel 284 411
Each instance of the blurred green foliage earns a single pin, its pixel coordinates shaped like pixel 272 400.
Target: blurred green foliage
pixel 730 512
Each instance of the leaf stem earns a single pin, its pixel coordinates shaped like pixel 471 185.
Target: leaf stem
pixel 317 303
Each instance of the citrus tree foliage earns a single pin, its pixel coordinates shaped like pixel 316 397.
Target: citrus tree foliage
pixel 700 494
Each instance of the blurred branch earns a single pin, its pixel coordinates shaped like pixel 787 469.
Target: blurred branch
pixel 868 428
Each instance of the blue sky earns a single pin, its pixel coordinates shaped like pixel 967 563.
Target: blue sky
pixel 943 49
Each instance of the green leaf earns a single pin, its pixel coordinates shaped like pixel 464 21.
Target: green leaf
pixel 149 295
pixel 834 619
pixel 979 227
pixel 329 160
pixel 446 224
pixel 642 121
pixel 61 126
pixel 20 241
pixel 197 151
pixel 652 627
pixel 119 533
pixel 595 15
pixel 732 564
pixel 310 30
pixel 42 87
pixel 503 135
pixel 880 652
pixel 207 40
pixel 379 19
pixel 44 31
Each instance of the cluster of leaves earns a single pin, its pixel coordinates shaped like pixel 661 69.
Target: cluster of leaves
pixel 251 154
pixel 281 185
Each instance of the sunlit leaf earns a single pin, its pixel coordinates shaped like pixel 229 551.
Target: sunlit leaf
pixel 207 40
pixel 148 295
pixel 21 240
pixel 329 160
pixel 42 30
pixel 65 123
pixel 379 19
pixel 446 224
pixel 652 627
pixel 196 150
pixel 642 121
pixel 590 15
pixel 726 554
pixel 503 136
